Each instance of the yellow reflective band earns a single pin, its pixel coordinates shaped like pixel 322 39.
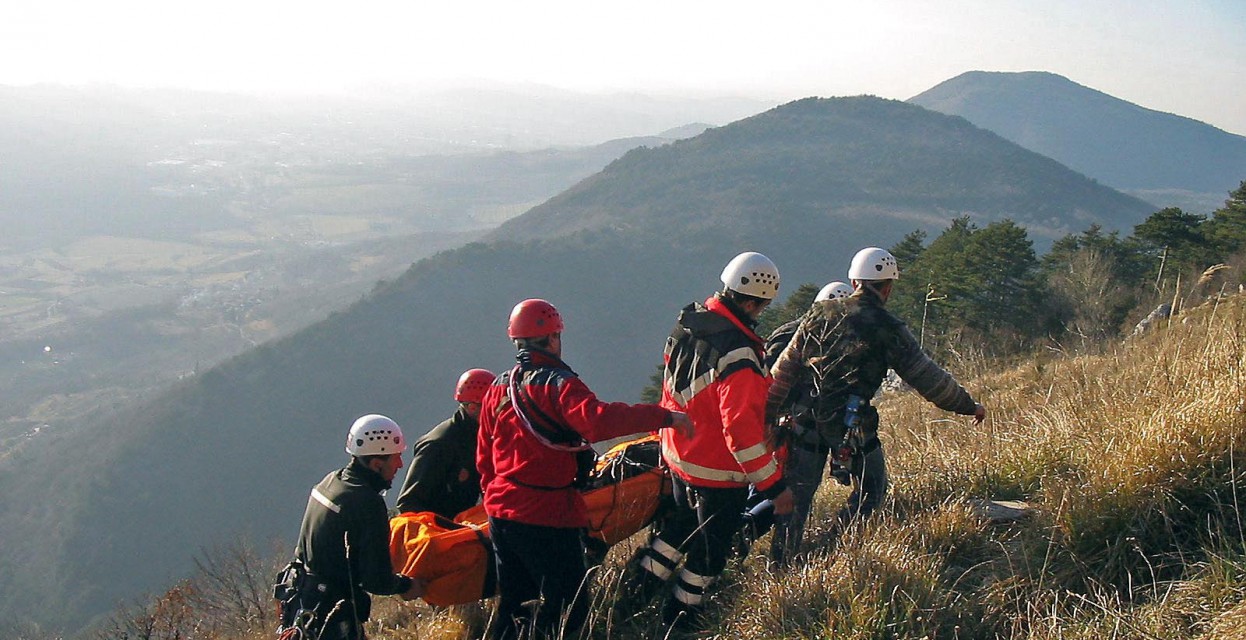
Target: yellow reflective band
pixel 752 453
pixel 667 551
pixel 655 567
pixel 704 473
pixel 764 472
pixel 695 580
pixel 690 599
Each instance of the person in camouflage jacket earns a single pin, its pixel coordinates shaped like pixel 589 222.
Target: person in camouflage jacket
pixel 825 379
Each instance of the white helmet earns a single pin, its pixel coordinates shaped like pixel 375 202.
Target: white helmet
pixel 835 289
pixel 752 274
pixel 872 263
pixel 375 435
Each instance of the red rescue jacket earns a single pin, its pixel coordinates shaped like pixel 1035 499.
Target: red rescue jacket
pixel 713 371
pixel 525 480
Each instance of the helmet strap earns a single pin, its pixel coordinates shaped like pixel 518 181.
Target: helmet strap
pixel 880 288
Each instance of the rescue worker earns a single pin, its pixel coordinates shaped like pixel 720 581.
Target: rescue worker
pixel 826 378
pixel 783 334
pixel 759 518
pixel 533 454
pixel 442 477
pixel 344 538
pixel 713 371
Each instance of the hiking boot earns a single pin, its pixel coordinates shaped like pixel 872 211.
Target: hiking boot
pixel 637 588
pixel 680 618
pixel 636 594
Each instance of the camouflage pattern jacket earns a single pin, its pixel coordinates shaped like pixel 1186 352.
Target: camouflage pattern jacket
pixel 844 347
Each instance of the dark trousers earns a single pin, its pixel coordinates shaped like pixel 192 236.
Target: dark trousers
pixel 702 526
pixel 335 618
pixel 804 472
pixel 541 564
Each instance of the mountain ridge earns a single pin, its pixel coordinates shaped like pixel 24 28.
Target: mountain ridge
pixel 866 173
pixel 1120 143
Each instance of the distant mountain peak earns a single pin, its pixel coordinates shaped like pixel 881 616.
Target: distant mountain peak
pixel 1115 141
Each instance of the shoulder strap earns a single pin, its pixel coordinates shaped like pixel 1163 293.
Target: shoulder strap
pixel 540 425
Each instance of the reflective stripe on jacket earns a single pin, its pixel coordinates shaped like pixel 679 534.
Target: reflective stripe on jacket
pixel 347 508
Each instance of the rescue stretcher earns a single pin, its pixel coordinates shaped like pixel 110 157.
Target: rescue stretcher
pixel 628 490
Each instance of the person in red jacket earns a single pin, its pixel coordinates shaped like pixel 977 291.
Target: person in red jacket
pixel 533 452
pixel 713 371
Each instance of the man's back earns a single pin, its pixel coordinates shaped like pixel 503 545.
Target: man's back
pixel 346 517
pixel 778 340
pixel 847 346
pixel 713 371
pixel 844 348
pixel 442 477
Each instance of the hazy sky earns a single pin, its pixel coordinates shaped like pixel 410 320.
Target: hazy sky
pixel 1183 56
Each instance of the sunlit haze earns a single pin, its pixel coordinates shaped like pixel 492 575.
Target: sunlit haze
pixel 1182 57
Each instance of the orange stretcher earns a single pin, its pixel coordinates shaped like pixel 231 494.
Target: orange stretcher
pixel 627 491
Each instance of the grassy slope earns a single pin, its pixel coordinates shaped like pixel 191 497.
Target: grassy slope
pixel 1131 460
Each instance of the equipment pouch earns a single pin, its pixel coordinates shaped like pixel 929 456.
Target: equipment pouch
pixel 852 413
pixel 289 581
pixel 288 588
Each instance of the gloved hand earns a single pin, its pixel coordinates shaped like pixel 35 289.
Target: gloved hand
pixel 784 503
pixel 681 424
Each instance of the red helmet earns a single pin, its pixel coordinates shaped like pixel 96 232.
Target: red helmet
pixel 473 384
pixel 534 318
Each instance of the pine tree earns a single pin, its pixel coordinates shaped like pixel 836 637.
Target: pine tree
pixel 1226 230
pixel 910 248
pixel 1177 237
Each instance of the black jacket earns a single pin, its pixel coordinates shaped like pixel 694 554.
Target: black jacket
pixel 442 477
pixel 346 508
pixel 778 340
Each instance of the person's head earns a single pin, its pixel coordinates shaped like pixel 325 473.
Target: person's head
pixel 535 323
pixel 377 443
pixel 833 290
pixel 751 281
pixel 874 269
pixel 471 388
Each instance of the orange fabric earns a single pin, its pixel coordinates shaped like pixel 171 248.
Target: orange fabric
pixel 620 449
pixel 617 511
pixel 454 561
pixel 475 515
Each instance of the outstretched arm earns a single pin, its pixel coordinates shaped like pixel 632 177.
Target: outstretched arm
pixel 928 378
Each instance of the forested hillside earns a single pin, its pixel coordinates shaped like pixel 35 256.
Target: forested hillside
pixel 879 166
